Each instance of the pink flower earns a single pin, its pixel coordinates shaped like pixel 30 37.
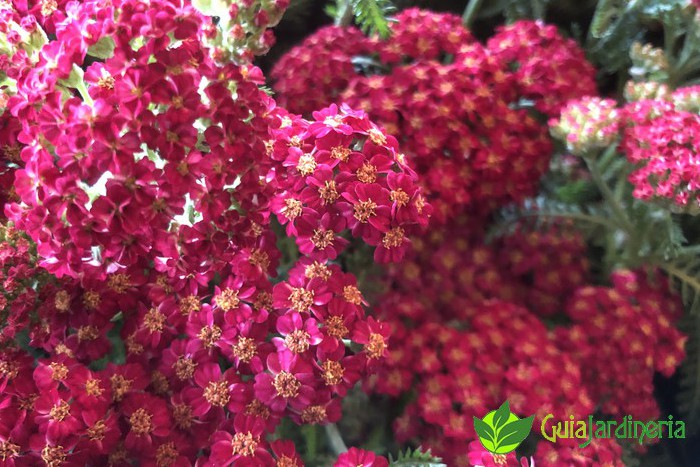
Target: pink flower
pixel 480 457
pixel 360 458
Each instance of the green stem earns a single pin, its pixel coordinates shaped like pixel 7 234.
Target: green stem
pixel 310 434
pixel 680 274
pixel 686 62
pixel 608 195
pixel 82 89
pixel 344 14
pixel 335 439
pixel 470 12
pixel 690 250
pixel 575 216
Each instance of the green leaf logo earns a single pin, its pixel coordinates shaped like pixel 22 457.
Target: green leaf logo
pixel 501 431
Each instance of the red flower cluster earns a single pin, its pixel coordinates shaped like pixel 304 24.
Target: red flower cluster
pixel 360 458
pixel 660 141
pixel 601 452
pixel 549 69
pixel 106 176
pixel 19 276
pixel 343 172
pixel 9 155
pixel 548 264
pixel 312 75
pixel 422 35
pixel 172 398
pixel 149 184
pixel 505 352
pixel 456 271
pixel 456 105
pixel 472 149
pixel 468 334
pixel 619 360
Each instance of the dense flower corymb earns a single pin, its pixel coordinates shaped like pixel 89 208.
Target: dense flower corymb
pixel 149 182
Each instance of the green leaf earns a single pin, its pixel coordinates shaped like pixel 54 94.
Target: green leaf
pixel 75 78
pixel 576 192
pixel 512 434
pixel 331 10
pixel 484 431
pixel 103 49
pixel 501 416
pixel 205 6
pixel 36 41
pixel 606 14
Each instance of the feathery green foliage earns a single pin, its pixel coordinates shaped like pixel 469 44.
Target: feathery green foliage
pixel 416 458
pixel 371 16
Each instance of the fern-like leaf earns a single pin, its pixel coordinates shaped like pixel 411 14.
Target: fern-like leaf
pixel 607 13
pixel 543 211
pixel 684 272
pixel 416 458
pixel 371 16
pixel 689 394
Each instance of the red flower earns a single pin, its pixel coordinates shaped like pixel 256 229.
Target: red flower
pixel 298 335
pixel 286 453
pixel 245 447
pixel 56 416
pixel 291 381
pixel 216 390
pixel 147 418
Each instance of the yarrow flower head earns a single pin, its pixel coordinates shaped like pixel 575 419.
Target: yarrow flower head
pixel 549 69
pixel 463 124
pixel 587 125
pixel 657 140
pixel 654 345
pixel 322 62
